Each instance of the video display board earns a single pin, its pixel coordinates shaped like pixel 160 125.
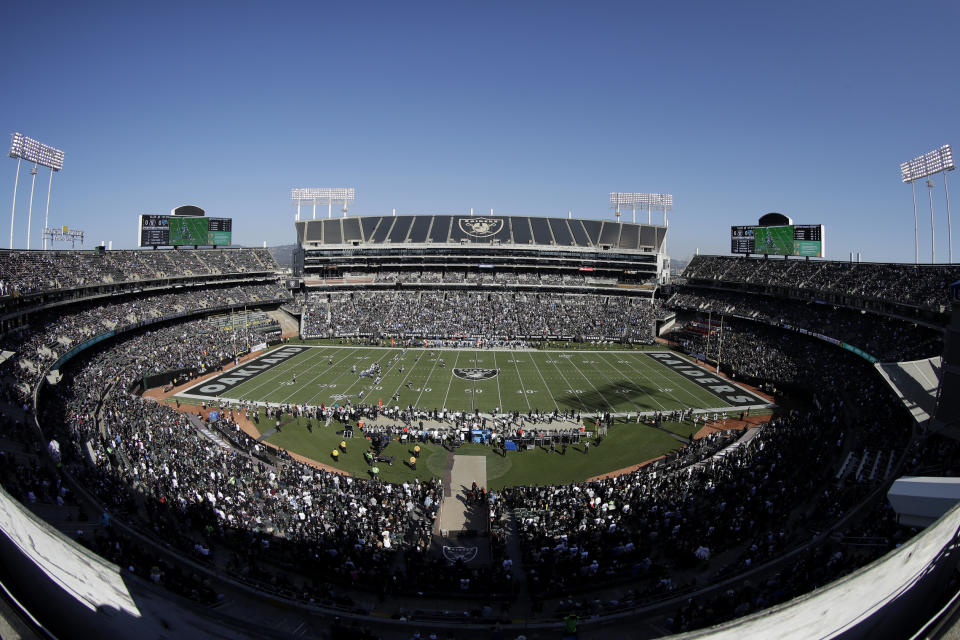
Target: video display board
pixel 788 240
pixel 219 231
pixel 184 231
pixel 188 231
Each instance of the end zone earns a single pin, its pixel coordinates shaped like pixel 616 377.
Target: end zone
pixel 217 385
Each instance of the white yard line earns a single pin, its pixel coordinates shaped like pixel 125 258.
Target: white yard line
pixel 409 371
pixel 710 397
pixel 669 393
pixel 546 386
pixel 268 378
pixel 613 384
pixel 450 383
pixel 612 408
pixel 395 362
pixel 353 384
pixel 499 393
pixel 308 383
pixel 341 374
pixel 424 385
pixel 522 388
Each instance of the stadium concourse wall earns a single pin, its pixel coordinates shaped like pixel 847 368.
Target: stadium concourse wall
pixel 880 600
pixel 68 591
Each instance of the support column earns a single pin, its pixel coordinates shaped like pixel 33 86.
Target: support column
pixel 916 226
pixel 33 182
pixel 933 248
pixel 13 211
pixel 46 218
pixel 949 225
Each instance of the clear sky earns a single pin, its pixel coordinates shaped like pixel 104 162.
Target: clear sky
pixel 528 108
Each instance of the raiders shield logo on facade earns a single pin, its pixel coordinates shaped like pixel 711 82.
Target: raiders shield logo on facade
pixel 481 227
pixel 452 554
pixel 475 375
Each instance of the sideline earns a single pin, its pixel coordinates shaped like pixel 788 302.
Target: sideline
pixel 710 429
pixel 247 426
pixel 251 429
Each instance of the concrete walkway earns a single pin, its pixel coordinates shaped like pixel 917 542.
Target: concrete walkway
pixel 457 513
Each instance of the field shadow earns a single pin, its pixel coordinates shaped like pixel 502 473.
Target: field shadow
pixel 622 395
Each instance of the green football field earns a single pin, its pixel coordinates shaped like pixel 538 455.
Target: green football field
pixel 774 240
pixel 625 445
pixel 465 380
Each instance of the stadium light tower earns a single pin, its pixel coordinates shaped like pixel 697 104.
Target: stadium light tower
pixel 933 251
pixel 937 161
pixel 24 148
pixel 327 195
pixel 651 200
pixel 629 199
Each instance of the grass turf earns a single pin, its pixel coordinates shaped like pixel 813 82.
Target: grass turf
pixel 584 381
pixel 625 445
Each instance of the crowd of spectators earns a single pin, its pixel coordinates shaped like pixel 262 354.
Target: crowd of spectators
pixel 461 275
pixel 657 528
pixel 50 334
pixel 885 338
pixel 152 464
pixel 503 315
pixel 23 272
pixel 925 286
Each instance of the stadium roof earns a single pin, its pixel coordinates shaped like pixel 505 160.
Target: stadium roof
pixel 460 229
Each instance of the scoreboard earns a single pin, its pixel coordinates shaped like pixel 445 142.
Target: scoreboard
pixel 184 231
pixel 154 231
pixel 787 240
pixel 741 239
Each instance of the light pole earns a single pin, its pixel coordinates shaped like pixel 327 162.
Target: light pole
pixel 13 211
pixel 916 225
pixel 652 200
pixel 933 251
pixel 41 155
pixel 946 189
pixel 33 181
pixel 46 217
pixel 720 345
pixel 327 195
pixel 939 160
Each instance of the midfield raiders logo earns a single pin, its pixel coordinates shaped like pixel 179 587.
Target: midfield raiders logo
pixel 481 227
pixel 452 554
pixel 476 375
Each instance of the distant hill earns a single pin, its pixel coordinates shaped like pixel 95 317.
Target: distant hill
pixel 283 254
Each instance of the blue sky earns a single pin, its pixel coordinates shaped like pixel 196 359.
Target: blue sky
pixel 529 108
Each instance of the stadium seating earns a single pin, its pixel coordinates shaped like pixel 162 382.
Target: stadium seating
pixel 920 286
pixel 747 498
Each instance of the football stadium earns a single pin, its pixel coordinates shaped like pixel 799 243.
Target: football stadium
pixel 330 321
pixel 447 424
